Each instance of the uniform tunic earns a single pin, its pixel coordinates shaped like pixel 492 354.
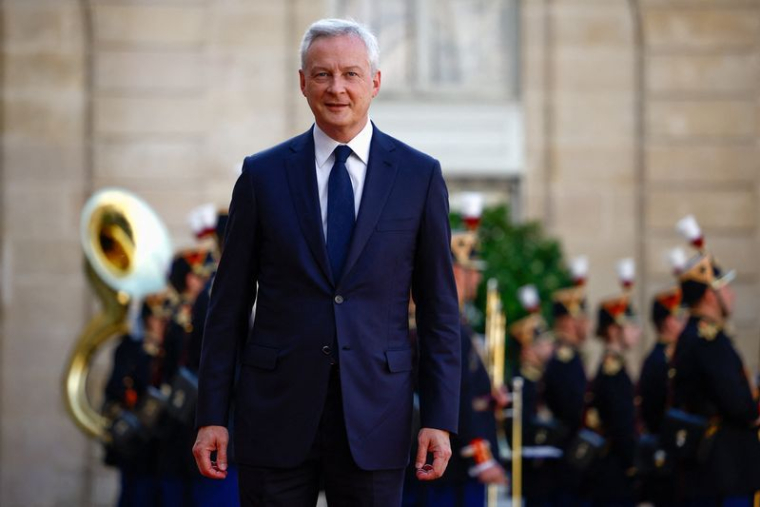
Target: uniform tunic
pixel 710 381
pixel 612 398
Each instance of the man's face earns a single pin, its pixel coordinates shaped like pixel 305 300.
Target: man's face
pixel 581 328
pixel 155 326
pixel 339 85
pixel 672 327
pixel 194 284
pixel 726 294
pixel 474 277
pixel 631 335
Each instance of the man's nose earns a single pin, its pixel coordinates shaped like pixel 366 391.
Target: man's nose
pixel 337 85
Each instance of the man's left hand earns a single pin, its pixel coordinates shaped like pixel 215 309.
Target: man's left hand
pixel 435 442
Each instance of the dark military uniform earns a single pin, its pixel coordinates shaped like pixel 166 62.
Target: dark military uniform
pixel 565 391
pixel 653 388
pixel 178 472
pixel 211 492
pixel 710 381
pixel 654 383
pixel 475 443
pixel 565 386
pixel 477 427
pixel 612 408
pixel 131 375
pixel 653 393
pixel 565 381
pixel 537 472
pixel 710 384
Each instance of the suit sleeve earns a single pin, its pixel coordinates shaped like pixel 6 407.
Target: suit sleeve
pixel 467 431
pixel 200 310
pixel 232 297
pixel 435 294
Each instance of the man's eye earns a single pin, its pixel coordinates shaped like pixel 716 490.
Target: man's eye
pixel 353 74
pixel 320 74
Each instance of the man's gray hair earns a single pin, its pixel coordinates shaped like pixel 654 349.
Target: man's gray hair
pixel 337 28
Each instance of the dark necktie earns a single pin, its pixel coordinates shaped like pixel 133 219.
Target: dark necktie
pixel 340 211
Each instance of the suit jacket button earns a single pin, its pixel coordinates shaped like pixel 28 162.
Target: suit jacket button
pixel 326 350
pixel 338 299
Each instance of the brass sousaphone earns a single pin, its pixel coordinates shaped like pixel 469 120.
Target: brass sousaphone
pixel 127 256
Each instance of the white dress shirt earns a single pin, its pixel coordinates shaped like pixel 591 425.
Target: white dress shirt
pixel 356 165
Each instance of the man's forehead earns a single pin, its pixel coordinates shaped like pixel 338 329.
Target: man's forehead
pixel 338 47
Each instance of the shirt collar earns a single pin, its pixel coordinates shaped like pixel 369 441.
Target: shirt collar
pixel 324 145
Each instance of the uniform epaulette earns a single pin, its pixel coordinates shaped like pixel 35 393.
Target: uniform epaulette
pixel 532 373
pixel 707 330
pixel 183 317
pixel 565 353
pixel 592 419
pixel 611 365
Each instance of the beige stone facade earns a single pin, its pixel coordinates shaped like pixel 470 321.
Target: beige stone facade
pixel 634 113
pixel 638 113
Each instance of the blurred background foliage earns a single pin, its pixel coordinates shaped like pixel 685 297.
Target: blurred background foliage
pixel 516 254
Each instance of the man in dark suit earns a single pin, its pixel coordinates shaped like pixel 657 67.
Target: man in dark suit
pixel 329 233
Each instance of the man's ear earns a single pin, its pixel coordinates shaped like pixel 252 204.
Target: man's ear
pixel 302 79
pixel 376 84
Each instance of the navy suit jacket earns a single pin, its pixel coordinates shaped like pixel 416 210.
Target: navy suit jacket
pixel 275 255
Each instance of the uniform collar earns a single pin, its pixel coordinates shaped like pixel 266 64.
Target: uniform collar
pixel 716 322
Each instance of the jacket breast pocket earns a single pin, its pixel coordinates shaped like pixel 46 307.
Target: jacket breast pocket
pixel 400 360
pixel 260 357
pixel 397 225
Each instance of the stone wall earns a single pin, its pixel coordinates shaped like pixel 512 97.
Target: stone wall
pixel 701 105
pixel 43 457
pixel 637 113
pixel 579 86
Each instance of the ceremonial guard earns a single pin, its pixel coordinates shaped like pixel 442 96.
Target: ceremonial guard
pixel 136 367
pixel 611 410
pixel 653 466
pixel 713 426
pixel 179 476
pixel 209 225
pixel 565 381
pixel 531 346
pixel 473 464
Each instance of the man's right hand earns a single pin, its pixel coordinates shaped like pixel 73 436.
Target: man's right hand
pixel 493 475
pixel 210 439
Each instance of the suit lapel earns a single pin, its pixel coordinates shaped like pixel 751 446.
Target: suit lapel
pixel 302 179
pixel 381 173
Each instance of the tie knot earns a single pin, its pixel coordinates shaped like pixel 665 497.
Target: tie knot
pixel 342 153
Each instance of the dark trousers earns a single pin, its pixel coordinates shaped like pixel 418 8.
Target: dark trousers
pixel 329 464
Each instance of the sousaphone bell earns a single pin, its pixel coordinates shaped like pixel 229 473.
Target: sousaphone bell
pixel 127 256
